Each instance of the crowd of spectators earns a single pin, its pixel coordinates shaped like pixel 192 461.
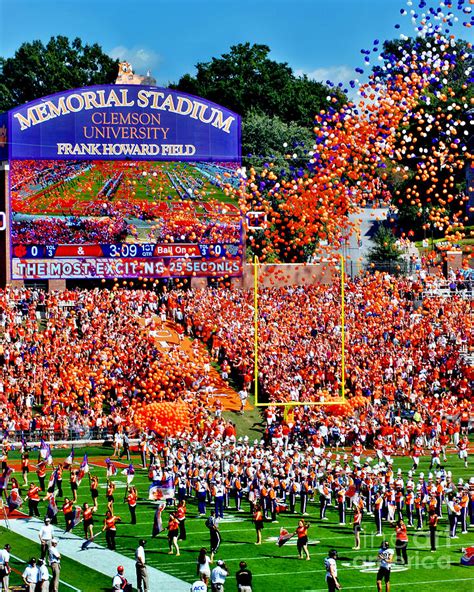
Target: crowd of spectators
pixel 93 359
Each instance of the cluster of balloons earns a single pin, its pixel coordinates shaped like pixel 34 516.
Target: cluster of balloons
pixel 164 418
pixel 346 408
pixel 405 142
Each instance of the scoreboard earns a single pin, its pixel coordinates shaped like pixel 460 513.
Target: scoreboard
pixel 126 260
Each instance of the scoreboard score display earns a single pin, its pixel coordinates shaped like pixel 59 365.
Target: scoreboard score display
pixel 124 182
pixel 127 260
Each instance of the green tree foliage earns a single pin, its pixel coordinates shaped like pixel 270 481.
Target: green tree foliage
pixel 37 70
pixel 385 249
pixel 269 139
pixel 246 80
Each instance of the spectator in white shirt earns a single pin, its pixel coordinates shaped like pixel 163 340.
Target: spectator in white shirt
pixel 55 563
pixel 5 567
pixel 43 577
pixel 46 535
pixel 30 575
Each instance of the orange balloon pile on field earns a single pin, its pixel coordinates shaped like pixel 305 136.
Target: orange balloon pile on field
pixel 166 418
pixel 347 408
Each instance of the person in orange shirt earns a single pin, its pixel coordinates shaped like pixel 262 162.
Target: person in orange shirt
pixel 94 489
pixel 258 521
pixel 88 520
pixel 33 500
pixel 132 497
pixel 401 542
pixel 68 511
pixel 110 496
pixel 110 529
pixel 356 522
pixel 181 517
pixel 173 532
pixel 433 523
pixel 302 540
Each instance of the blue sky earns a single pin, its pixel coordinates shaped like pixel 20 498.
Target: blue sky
pixel 321 38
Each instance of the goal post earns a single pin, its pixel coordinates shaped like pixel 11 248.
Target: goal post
pixel 342 398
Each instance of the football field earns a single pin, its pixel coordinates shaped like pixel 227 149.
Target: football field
pixel 274 568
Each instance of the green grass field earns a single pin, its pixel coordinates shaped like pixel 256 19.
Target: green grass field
pixel 275 569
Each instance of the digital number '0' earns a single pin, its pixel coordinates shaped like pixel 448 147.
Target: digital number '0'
pixel 3 221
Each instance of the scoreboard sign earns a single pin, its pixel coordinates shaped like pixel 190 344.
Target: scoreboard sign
pixel 123 181
pixel 124 121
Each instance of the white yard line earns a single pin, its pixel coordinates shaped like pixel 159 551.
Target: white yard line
pixel 393 585
pixel 99 558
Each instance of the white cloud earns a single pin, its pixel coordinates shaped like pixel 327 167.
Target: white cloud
pixel 335 74
pixel 140 58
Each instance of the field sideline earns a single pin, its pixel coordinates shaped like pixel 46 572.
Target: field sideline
pixel 274 569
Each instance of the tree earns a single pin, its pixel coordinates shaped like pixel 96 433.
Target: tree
pixel 246 80
pixel 37 70
pixel 269 139
pixel 385 249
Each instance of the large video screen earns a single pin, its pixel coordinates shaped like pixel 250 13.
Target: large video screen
pixel 124 219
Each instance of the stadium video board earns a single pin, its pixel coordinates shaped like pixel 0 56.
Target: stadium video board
pixel 124 182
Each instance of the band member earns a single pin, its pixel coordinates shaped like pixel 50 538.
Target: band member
pixel 378 512
pixel 410 506
pixel 324 499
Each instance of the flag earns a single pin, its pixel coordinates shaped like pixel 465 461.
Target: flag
pixel 85 545
pixel 161 489
pixel 85 464
pixel 5 478
pixel 52 509
pixel 69 460
pixel 284 537
pixel 130 472
pixel 52 480
pixel 77 518
pixel 14 500
pixel 43 451
pixel 83 469
pixel 49 456
pixel 157 521
pixel 111 468
pixel 24 444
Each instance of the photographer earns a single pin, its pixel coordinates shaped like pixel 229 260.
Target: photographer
pixel 218 576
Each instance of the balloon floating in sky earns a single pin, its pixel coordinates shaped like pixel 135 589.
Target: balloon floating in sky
pixel 404 142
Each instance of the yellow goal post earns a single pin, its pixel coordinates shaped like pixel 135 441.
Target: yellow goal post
pixel 287 404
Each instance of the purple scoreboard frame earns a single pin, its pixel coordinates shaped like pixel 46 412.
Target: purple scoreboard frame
pixel 122 123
